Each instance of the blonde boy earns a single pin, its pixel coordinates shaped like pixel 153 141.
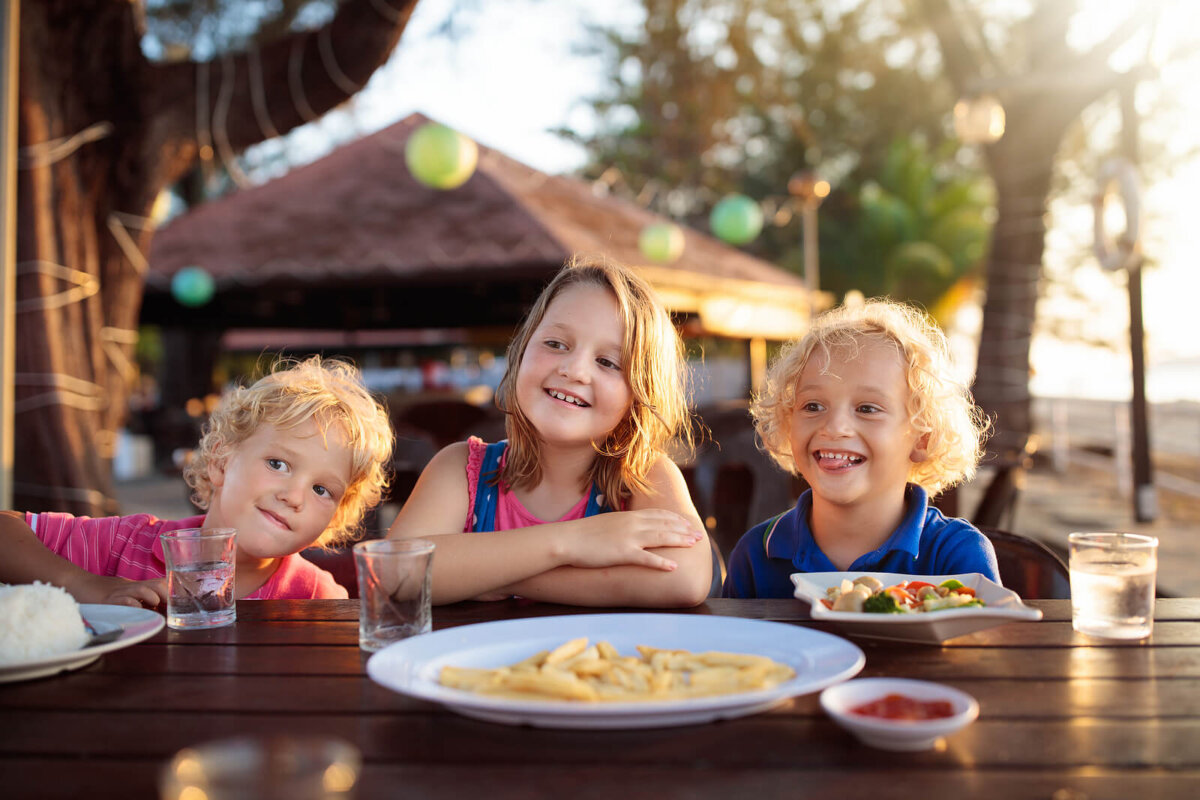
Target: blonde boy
pixel 866 410
pixel 294 460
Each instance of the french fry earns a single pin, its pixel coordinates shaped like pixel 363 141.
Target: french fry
pixel 467 678
pixel 575 672
pixel 566 650
pixel 531 663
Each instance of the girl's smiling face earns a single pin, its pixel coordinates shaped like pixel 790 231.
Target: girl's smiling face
pixel 851 435
pixel 280 487
pixel 571 383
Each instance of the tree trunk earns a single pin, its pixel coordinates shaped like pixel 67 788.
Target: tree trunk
pixel 101 132
pixel 78 293
pixel 1022 167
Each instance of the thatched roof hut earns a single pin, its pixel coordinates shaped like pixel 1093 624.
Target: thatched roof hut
pixel 353 241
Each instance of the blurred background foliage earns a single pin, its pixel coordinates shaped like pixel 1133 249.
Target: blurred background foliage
pixel 717 96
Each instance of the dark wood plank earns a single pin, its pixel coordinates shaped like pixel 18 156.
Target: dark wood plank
pixel 883 658
pixel 999 698
pixel 767 741
pixel 69 779
pixel 1030 662
pixel 1166 608
pixel 1013 634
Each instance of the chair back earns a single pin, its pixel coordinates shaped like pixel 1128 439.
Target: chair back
pixel 1028 567
pixel 718 569
pixel 446 421
pixel 733 483
pixel 338 561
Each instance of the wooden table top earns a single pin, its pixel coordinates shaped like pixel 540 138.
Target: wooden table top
pixel 1059 712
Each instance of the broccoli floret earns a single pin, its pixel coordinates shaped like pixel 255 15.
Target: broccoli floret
pixel 881 604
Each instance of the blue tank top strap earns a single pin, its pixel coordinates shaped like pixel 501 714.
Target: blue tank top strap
pixel 487 492
pixel 596 503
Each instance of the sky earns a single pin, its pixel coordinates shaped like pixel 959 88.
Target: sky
pixel 518 72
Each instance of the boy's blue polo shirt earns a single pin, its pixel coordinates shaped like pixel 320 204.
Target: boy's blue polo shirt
pixel 926 543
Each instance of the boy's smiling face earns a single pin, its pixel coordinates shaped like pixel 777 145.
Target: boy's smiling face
pixel 280 488
pixel 850 432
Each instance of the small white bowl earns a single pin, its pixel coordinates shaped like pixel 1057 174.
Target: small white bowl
pixel 888 734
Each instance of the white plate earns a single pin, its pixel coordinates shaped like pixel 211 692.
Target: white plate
pixel 1002 605
pixel 412 666
pixel 136 624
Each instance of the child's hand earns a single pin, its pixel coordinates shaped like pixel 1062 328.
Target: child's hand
pixel 626 537
pixel 121 591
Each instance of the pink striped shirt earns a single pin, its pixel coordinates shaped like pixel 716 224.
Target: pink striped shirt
pixel 129 547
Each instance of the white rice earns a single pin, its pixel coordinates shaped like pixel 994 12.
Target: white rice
pixel 38 620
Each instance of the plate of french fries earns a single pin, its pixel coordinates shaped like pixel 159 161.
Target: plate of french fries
pixel 615 670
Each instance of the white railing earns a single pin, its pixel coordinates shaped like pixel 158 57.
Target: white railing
pixel 1096 433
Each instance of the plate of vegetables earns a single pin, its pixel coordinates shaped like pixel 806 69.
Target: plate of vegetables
pixel 914 608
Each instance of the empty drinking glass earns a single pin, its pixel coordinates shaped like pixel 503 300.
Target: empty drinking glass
pixel 395 577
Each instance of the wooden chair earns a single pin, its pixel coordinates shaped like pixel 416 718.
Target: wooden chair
pixel 998 504
pixel 1028 567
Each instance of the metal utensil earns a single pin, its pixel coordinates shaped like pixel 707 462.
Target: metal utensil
pixel 101 638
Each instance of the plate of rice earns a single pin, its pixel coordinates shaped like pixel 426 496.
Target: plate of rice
pixel 42 630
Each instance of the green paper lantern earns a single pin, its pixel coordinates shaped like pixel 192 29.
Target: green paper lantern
pixel 736 219
pixel 192 286
pixel 440 157
pixel 661 241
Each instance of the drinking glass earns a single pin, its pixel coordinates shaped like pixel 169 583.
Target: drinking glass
pixel 1112 584
pixel 395 577
pixel 200 568
pixel 252 768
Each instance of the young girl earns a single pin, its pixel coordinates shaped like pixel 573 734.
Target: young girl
pixel 292 461
pixel 866 409
pixel 580 504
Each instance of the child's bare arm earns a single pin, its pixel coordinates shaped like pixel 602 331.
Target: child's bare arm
pixel 24 559
pixel 467 565
pixel 633 585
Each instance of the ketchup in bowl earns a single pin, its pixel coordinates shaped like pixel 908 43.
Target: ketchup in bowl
pixel 902 707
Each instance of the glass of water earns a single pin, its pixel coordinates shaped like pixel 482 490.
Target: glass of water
pixel 395 578
pixel 1112 584
pixel 200 572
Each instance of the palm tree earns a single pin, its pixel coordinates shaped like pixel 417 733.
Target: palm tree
pixel 1044 85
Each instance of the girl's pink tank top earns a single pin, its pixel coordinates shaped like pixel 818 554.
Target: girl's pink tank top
pixel 510 513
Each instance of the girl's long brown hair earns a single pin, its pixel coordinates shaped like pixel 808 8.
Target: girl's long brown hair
pixel 652 360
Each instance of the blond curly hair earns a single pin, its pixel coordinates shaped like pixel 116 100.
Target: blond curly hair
pixel 327 391
pixel 939 406
pixel 653 361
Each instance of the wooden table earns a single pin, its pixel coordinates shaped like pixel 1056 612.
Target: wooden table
pixel 1062 716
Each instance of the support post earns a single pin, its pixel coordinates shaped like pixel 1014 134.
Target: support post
pixel 1145 496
